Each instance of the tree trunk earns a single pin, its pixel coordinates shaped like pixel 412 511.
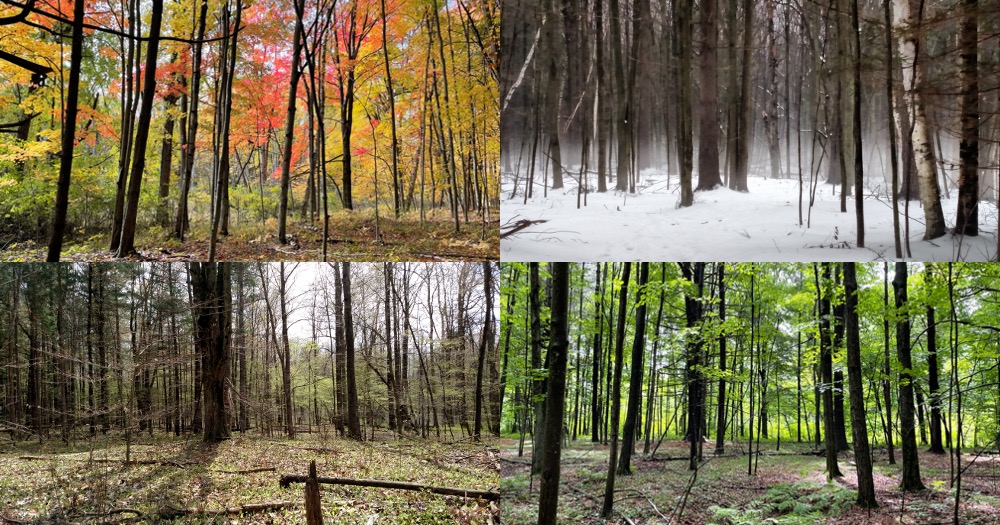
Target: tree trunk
pixel 188 148
pixel 967 217
pixel 826 371
pixel 708 113
pixel 485 346
pixel 286 158
pixel 212 306
pixel 609 487
pixel 127 245
pixel 911 467
pixel 555 400
pixel 913 79
pixel 744 132
pixel 862 454
pixel 353 423
pixel 68 138
pixel 635 376
pixel 684 134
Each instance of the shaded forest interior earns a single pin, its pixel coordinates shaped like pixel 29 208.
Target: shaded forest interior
pixel 893 100
pixel 127 125
pixel 245 371
pixel 844 387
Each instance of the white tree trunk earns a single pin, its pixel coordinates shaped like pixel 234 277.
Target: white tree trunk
pixel 930 193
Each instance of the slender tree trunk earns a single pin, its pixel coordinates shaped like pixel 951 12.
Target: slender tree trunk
pixel 615 412
pixel 720 431
pixel 127 245
pixel 555 400
pixel 68 137
pixel 635 379
pixel 911 467
pixel 353 423
pixel 862 454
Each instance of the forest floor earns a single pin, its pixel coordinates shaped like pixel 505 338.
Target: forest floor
pixel 351 238
pixel 725 225
pixel 196 482
pixel 789 488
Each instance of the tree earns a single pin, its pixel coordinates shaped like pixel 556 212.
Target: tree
pixel 910 480
pixel 353 421
pixel 68 136
pixel 485 345
pixel 127 244
pixel 859 426
pixel 708 115
pixel 913 81
pixel 684 133
pixel 635 376
pixel 212 309
pixel 967 217
pixel 695 274
pixel 286 157
pixel 823 293
pixel 738 180
pixel 859 201
pixel 555 397
pixel 609 487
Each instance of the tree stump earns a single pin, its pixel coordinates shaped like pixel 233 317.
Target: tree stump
pixel 314 514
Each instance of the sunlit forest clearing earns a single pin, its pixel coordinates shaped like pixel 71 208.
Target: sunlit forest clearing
pixel 249 130
pixel 142 393
pixel 750 393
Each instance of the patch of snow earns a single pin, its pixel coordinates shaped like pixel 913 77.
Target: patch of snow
pixel 724 225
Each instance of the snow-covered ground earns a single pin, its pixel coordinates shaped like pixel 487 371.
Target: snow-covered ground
pixel 723 225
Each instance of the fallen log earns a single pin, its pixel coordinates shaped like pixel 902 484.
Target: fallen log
pixel 488 495
pixel 250 471
pixel 518 226
pixel 170 512
pixel 161 462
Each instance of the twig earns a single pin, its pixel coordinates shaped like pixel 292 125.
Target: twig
pixel 250 471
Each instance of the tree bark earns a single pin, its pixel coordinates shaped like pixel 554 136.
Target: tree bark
pixel 967 217
pixel 556 393
pixel 911 467
pixel 353 422
pixel 635 376
pixel 862 454
pixel 212 306
pixel 609 487
pixel 286 157
pixel 68 137
pixel 913 79
pixel 708 113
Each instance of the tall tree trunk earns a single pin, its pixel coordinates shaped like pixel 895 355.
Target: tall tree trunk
pixel 823 292
pixel 708 113
pixel 286 356
pixel 695 274
pixel 744 132
pixel 862 454
pixel 609 487
pixel 188 148
pixel 967 217
pixel 353 423
pixel 720 431
pixel 595 378
pixel 486 345
pixel 859 210
pixel 933 382
pixel 68 137
pixel 555 400
pixel 911 467
pixel 286 157
pixel 684 132
pixel 908 24
pixel 635 376
pixel 212 306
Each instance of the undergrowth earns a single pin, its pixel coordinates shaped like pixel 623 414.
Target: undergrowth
pixel 800 503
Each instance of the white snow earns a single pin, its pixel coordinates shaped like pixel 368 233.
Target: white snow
pixel 724 225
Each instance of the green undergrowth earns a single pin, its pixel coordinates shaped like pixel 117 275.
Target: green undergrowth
pixel 799 503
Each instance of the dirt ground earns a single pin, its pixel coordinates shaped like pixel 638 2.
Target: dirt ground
pixel 179 480
pixel 789 488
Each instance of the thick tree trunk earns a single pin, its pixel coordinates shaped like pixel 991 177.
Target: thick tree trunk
pixel 210 286
pixel 930 194
pixel 708 112
pixel 685 146
pixel 744 132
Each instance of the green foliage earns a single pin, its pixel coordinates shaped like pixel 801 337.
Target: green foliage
pixel 798 503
